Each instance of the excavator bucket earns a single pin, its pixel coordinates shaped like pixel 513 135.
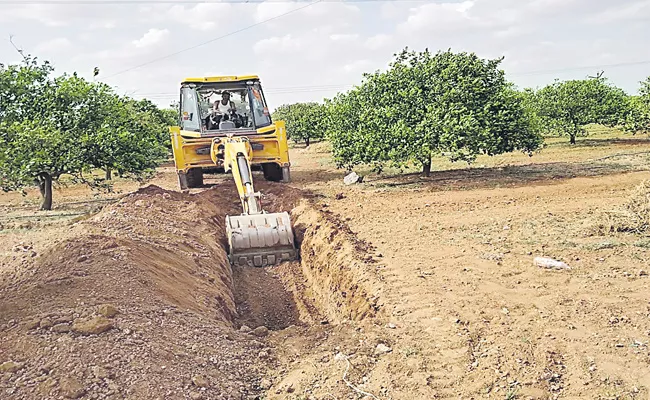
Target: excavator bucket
pixel 259 240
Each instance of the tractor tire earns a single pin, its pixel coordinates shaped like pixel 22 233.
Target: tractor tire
pixel 194 178
pixel 272 172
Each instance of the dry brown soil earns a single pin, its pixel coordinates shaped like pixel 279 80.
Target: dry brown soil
pixel 407 287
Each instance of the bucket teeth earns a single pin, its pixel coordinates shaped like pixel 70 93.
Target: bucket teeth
pixel 260 240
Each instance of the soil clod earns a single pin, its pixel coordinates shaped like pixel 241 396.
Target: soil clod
pixel 107 310
pixel 71 388
pixel 93 326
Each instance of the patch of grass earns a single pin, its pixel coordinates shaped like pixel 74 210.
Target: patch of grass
pixel 568 243
pixel 601 245
pixel 512 394
pixel 411 351
pixel 634 215
pixel 638 207
pixel 644 244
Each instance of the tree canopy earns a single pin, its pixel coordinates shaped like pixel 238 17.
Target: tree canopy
pixel 305 121
pixel 455 104
pixel 50 126
pixel 566 107
pixel 638 118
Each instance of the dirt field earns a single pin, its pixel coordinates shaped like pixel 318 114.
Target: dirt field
pixel 407 287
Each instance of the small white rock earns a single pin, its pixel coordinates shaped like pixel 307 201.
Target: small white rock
pixel 391 325
pixel 382 349
pixel 351 178
pixel 549 263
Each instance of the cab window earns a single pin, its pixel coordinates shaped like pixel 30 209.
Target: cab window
pixel 190 118
pixel 258 104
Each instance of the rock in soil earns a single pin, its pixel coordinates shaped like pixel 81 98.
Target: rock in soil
pixel 93 326
pixel 261 331
pixel 244 329
pixel 549 263
pixel 10 366
pixel 265 384
pixel 200 381
pixel 107 310
pixel 352 178
pixel 101 373
pixel 382 349
pixel 71 388
pixel 33 324
pixel 61 328
pixel 46 323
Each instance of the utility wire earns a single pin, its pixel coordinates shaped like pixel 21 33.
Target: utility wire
pixel 140 2
pixel 323 88
pixel 214 40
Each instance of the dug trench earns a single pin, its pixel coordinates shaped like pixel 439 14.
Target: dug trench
pixel 143 304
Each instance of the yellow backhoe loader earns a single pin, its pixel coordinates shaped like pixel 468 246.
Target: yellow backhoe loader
pixel 225 125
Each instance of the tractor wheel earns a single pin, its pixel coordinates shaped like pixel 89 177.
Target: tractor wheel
pixel 194 178
pixel 272 172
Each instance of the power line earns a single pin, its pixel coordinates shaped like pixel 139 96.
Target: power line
pixel 322 88
pixel 215 39
pixel 140 2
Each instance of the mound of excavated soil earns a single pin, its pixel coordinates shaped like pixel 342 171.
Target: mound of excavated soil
pixel 139 305
pixel 143 304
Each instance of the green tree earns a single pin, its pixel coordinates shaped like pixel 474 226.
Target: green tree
pixel 425 104
pixel 33 153
pixel 638 117
pixel 566 107
pixel 50 126
pixel 23 89
pixel 305 121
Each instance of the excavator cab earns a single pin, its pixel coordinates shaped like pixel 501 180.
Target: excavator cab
pixel 235 133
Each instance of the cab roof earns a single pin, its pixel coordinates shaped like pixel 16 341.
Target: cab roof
pixel 215 79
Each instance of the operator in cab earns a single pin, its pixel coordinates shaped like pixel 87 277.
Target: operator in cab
pixel 225 106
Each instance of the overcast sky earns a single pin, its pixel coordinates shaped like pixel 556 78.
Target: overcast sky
pixel 320 49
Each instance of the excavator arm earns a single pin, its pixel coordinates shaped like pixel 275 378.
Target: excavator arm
pixel 256 238
pixel 237 153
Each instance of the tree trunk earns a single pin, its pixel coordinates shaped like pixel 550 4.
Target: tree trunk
pixel 41 187
pixel 426 168
pixel 574 133
pixel 45 186
pixel 307 142
pixel 108 174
